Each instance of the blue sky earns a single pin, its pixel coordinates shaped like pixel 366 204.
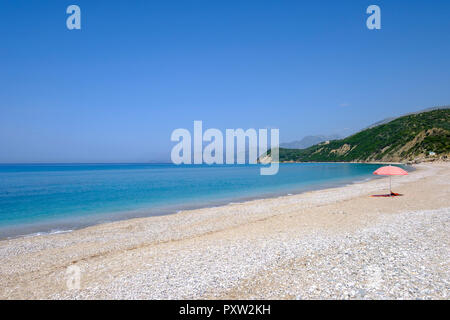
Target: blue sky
pixel 116 89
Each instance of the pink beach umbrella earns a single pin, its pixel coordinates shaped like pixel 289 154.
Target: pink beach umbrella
pixel 390 171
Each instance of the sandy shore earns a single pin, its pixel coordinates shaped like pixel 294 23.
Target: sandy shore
pixel 335 243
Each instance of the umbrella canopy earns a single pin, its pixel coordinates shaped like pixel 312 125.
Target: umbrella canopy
pixel 390 171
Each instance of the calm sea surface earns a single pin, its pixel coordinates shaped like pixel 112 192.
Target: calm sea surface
pixel 49 198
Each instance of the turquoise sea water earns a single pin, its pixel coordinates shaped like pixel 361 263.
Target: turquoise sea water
pixel 46 198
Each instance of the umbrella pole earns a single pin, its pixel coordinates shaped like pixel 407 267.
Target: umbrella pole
pixel 390 184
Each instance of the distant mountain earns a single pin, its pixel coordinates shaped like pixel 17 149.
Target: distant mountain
pixel 416 136
pixel 380 122
pixel 407 114
pixel 308 141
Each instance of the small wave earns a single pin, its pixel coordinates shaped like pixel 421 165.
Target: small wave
pixel 44 233
pixel 60 231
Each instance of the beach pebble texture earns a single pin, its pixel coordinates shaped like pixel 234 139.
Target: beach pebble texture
pixel 337 243
pixel 405 256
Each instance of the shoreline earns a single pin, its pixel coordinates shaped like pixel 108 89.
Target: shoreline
pixel 70 224
pixel 230 251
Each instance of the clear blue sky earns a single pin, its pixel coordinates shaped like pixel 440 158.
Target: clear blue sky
pixel 137 70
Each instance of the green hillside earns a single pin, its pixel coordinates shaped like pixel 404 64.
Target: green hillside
pixel 407 138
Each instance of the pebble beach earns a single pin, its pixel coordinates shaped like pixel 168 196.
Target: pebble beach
pixel 336 243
